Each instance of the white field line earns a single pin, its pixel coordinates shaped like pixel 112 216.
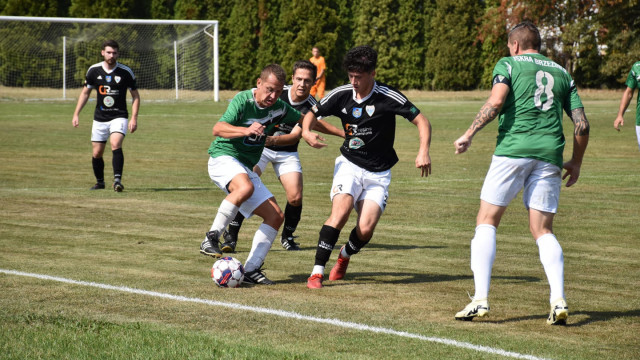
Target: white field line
pixel 281 313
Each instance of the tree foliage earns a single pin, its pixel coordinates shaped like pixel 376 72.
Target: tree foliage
pixel 422 44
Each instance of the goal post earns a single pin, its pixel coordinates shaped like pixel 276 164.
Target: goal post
pixel 172 59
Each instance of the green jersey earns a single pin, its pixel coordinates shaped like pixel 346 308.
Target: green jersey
pixel 530 123
pixel 633 82
pixel 244 111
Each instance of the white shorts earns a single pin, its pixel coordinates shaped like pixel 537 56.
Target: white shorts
pixel 638 135
pixel 349 178
pixel 100 131
pixel 506 177
pixel 223 169
pixel 283 161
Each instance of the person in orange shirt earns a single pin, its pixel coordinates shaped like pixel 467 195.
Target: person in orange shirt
pixel 318 61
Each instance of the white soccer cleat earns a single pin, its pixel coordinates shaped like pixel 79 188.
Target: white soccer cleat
pixel 476 308
pixel 559 313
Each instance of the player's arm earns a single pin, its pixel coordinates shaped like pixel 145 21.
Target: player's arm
pixel 624 104
pixel 327 128
pixel 135 107
pixel 82 101
pixel 309 122
pixel 423 160
pixel 581 129
pixel 487 113
pixel 228 131
pixel 286 139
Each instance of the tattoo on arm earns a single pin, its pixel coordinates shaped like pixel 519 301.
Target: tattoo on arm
pixel 580 122
pixel 487 113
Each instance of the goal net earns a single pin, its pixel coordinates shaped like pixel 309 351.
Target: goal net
pixel 49 57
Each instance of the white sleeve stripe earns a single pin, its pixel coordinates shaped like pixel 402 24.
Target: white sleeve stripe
pixel 390 93
pixel 124 67
pixel 335 91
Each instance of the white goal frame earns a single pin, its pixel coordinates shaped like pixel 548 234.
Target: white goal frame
pixel 206 23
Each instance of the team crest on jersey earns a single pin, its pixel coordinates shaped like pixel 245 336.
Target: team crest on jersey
pixel 108 78
pixel 370 109
pixel 356 143
pixel 356 112
pixel 118 78
pixel 109 101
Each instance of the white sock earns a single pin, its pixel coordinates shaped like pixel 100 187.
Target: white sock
pixel 262 241
pixel 226 212
pixel 318 269
pixel 552 260
pixel 483 253
pixel 343 252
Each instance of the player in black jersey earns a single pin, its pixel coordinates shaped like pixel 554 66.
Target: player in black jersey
pixel 362 174
pixel 111 118
pixel 282 152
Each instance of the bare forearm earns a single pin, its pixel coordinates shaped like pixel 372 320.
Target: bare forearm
pixel 487 114
pixel 581 130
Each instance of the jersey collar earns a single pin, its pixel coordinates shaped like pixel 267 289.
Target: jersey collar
pixel 360 101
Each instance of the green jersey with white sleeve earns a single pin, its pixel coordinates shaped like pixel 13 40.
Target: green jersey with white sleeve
pixel 530 122
pixel 633 82
pixel 244 111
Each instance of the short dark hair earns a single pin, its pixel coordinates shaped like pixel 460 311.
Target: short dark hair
pixel 274 69
pixel 110 43
pixel 527 35
pixel 306 65
pixel 360 59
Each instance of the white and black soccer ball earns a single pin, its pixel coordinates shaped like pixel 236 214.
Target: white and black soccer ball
pixel 227 272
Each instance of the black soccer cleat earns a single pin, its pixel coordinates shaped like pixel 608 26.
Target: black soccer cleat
pixel 257 277
pixel 98 186
pixel 117 186
pixel 288 243
pixel 210 245
pixel 229 244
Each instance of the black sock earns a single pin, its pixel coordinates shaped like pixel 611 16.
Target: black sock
pixel 327 240
pixel 355 244
pixel 291 219
pixel 235 224
pixel 118 164
pixel 98 169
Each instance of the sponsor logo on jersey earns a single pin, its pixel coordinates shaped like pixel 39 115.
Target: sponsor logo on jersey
pixel 108 101
pixel 370 109
pixel 314 108
pixel 337 189
pixel 351 129
pixel 356 112
pixel 118 78
pixel 356 143
pixel 108 78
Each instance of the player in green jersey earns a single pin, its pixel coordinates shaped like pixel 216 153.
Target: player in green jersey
pixel 241 136
pixel 633 82
pixel 529 94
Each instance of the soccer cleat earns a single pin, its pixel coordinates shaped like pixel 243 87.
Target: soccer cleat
pixel 475 308
pixel 559 313
pixel 257 277
pixel 315 281
pixel 98 186
pixel 117 186
pixel 289 244
pixel 210 245
pixel 229 244
pixel 340 268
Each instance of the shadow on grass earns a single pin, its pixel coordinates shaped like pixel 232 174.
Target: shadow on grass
pixel 591 317
pixel 355 278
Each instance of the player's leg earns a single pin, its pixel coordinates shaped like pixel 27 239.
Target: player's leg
pixel 272 217
pixel 320 88
pixel 541 196
pixel 99 137
pixel 638 135
pixel 117 131
pixel 292 184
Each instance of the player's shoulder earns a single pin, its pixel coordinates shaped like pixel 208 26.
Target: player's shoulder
pixel 123 67
pixel 389 92
pixel 636 66
pixel 337 93
pixel 95 68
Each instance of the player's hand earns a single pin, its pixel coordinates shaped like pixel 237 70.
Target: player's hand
pixel 314 140
pixel 572 171
pixel 133 126
pixel 462 144
pixel 424 164
pixel 256 129
pixel 75 121
pixel 618 122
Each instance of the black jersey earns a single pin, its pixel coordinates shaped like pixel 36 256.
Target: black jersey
pixel 369 124
pixel 112 90
pixel 283 129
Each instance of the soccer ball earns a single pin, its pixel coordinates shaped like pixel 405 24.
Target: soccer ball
pixel 227 272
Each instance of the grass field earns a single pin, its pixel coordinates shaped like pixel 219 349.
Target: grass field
pixel 103 275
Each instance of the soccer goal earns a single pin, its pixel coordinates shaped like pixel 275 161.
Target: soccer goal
pixel 44 57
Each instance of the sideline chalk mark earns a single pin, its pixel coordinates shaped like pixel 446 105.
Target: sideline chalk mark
pixel 282 313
